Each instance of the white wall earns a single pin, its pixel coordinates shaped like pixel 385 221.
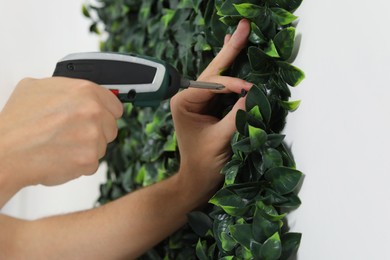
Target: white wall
pixel 34 35
pixel 340 134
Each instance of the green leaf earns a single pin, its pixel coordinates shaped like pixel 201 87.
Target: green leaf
pixel 256 36
pixel 260 62
pixel 167 17
pixel 255 113
pixel 231 20
pixel 242 233
pixel 290 74
pixel 290 244
pixel 274 140
pixel 171 143
pixel 199 222
pixel 291 105
pixel 256 97
pixel 271 50
pixel 85 11
pixel 292 202
pixel 244 145
pixel 271 158
pixel 257 137
pixel 263 228
pixel 241 122
pixel 289 5
pixel 230 171
pixel 249 10
pixel 269 212
pixel 200 250
pixel 230 202
pixel 284 42
pixel 226 8
pixel 283 180
pixel 272 248
pixel 228 243
pixel 281 16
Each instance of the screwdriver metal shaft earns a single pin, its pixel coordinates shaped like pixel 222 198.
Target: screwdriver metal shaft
pixel 185 83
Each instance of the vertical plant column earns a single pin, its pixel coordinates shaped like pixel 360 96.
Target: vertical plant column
pixel 246 218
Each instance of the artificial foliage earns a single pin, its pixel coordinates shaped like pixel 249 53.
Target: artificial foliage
pixel 246 218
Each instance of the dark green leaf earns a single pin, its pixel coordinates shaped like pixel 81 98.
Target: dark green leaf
pixel 256 36
pixel 200 250
pixel 263 228
pixel 272 158
pixel 241 122
pixel 290 244
pixel 230 171
pixel 281 16
pixel 284 42
pixel 242 233
pixel 292 202
pixel 260 62
pixel 274 140
pixel 272 248
pixel 282 179
pixel 256 97
pixel 249 10
pixel 230 202
pixel 292 75
pixel 199 222
pixel 257 137
pixel 289 5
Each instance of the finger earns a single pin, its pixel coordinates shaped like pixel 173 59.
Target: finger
pixel 109 126
pixel 231 84
pixel 228 123
pixel 230 50
pixel 227 38
pixel 110 101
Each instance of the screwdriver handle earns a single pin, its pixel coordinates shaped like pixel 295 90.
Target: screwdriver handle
pixel 143 81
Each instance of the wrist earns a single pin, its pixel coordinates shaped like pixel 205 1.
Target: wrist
pixel 193 190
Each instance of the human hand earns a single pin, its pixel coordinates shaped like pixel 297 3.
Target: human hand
pixel 56 129
pixel 203 139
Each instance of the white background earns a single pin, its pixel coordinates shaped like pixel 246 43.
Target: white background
pixel 339 136
pixel 34 35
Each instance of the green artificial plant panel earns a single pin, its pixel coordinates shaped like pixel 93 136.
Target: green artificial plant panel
pixel 246 218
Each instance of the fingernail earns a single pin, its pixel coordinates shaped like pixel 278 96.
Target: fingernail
pixel 243 92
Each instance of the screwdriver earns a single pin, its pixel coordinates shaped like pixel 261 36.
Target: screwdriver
pixel 141 80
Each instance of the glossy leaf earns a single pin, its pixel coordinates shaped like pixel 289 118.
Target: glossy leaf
pixel 257 137
pixel 271 50
pixel 256 97
pixel 199 222
pixel 272 248
pixel 290 244
pixel 292 75
pixel 281 16
pixel 284 42
pixel 249 11
pixel 200 250
pixel 289 5
pixel 230 202
pixel 283 180
pixel 274 140
pixel 259 61
pixel 256 36
pixel 291 105
pixel 272 158
pixel 242 234
pixel 262 227
pixel 230 171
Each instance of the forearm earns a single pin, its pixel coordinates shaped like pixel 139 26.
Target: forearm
pixel 122 229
